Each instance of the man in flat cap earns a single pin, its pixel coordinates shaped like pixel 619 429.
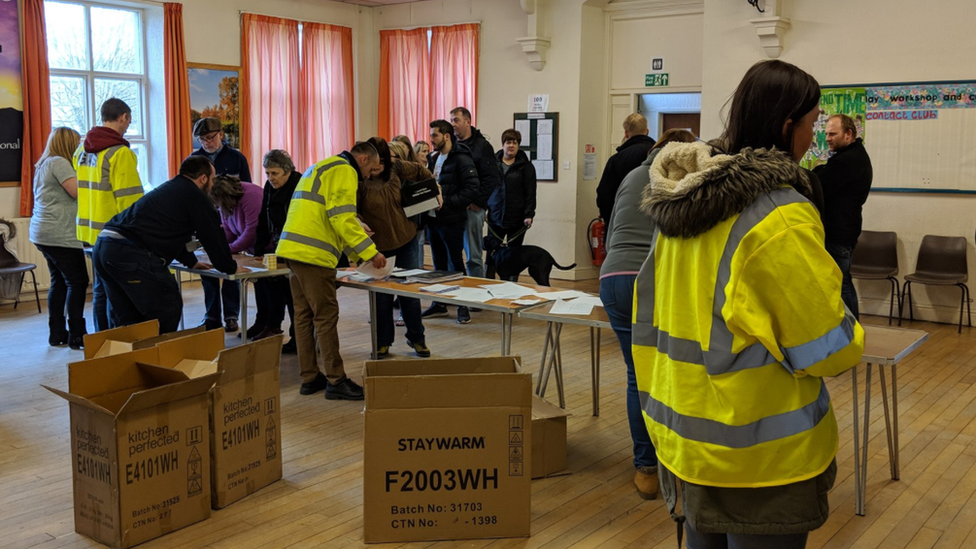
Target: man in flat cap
pixel 226 159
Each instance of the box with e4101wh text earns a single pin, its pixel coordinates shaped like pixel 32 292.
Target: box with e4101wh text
pixel 447 449
pixel 140 447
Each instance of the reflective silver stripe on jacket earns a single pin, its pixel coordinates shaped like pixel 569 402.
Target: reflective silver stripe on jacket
pixel 92 224
pixel 101 186
pixel 719 358
pixel 807 354
pixel 128 191
pixel 309 241
pixel 739 436
pixel 91 160
pixel 349 208
pixel 313 194
pixel 362 246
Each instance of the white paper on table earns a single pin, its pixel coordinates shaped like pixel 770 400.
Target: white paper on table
pixel 522 126
pixel 445 289
pixel 256 269
pixel 359 277
pixel 369 270
pixel 562 294
pixel 561 307
pixel 404 273
pixel 508 290
pixel 544 148
pixel 476 295
pixel 593 301
pixel 527 301
pixel 543 169
pixel 544 127
pixel 344 274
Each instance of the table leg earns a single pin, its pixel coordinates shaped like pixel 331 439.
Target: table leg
pixel 891 443
pixel 179 287
pixel 551 345
pixel 542 365
pixel 896 473
pixel 373 354
pixel 864 447
pixel 858 496
pixel 507 333
pixel 557 353
pixel 595 368
pixel 243 308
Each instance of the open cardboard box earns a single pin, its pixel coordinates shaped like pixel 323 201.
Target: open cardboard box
pixel 548 439
pixel 130 338
pixel 139 447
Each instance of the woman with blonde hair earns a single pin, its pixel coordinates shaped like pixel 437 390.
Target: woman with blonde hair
pixel 52 230
pixel 401 151
pixel 422 148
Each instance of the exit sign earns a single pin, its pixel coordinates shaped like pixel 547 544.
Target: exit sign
pixel 656 80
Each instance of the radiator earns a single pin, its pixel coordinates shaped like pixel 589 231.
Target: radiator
pixel 28 253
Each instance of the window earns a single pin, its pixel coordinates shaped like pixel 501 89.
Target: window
pixel 96 52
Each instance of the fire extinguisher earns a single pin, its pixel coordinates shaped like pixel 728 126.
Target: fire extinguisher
pixel 597 231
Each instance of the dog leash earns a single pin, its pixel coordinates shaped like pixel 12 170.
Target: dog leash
pixel 517 234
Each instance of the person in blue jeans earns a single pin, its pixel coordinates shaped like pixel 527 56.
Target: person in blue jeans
pixel 628 238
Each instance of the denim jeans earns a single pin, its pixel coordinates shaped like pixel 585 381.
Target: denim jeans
pixel 404 257
pixel 617 294
pixel 215 291
pixel 138 284
pixel 842 256
pixel 474 248
pixel 446 247
pixel 697 540
pixel 99 302
pixel 69 284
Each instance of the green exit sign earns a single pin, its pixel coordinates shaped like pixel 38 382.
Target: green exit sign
pixel 656 80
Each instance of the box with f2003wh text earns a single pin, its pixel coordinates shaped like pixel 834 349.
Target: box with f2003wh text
pixel 447 449
pixel 139 447
pixel 245 415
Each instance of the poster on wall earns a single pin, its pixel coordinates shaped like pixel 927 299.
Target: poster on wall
pixel 11 98
pixel 850 101
pixel 214 93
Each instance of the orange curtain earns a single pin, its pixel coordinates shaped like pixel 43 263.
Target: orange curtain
pixel 454 70
pixel 270 91
pixel 178 128
pixel 327 92
pixel 37 99
pixel 404 102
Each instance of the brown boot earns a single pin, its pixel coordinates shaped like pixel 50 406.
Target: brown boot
pixel 646 481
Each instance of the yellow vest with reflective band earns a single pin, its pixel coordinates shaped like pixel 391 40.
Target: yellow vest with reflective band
pixel 108 183
pixel 733 331
pixel 321 222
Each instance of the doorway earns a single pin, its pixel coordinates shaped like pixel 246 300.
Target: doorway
pixel 671 110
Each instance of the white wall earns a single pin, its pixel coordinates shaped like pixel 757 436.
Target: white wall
pixel 841 42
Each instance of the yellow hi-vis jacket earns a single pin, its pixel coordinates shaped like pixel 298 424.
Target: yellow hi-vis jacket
pixel 737 317
pixel 108 183
pixel 321 222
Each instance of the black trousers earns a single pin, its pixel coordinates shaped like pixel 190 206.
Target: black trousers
pixel 69 284
pixel 273 295
pixel 138 284
pixel 447 247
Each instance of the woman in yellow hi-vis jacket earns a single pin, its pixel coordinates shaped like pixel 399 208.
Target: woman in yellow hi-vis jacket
pixel 738 317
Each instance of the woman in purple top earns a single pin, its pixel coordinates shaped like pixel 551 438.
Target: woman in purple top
pixel 240 210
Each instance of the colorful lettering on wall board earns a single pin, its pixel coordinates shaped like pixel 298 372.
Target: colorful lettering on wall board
pixel 849 101
pixel 11 97
pixel 920 97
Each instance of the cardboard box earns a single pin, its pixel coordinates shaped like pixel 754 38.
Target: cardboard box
pixel 245 415
pixel 139 447
pixel 548 438
pixel 130 338
pixel 446 449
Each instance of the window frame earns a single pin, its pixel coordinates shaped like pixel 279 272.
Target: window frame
pixel 90 75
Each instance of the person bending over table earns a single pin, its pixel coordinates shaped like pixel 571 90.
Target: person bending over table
pixel 321 224
pixel 239 205
pixel 133 252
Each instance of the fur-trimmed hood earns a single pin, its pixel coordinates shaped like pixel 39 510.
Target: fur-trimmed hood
pixel 692 189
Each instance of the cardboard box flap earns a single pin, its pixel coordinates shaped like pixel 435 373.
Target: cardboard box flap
pixel 443 366
pixel 80 401
pixel 171 392
pixel 153 341
pixel 202 346
pixel 448 391
pixel 196 368
pixel 111 374
pixel 240 362
pixel 134 332
pixel 543 409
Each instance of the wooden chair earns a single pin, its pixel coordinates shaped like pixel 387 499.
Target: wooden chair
pixel 10 266
pixel 876 258
pixel 941 262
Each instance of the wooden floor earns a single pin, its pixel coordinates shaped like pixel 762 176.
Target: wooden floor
pixel 319 501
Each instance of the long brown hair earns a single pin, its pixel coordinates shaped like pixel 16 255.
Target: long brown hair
pixel 62 142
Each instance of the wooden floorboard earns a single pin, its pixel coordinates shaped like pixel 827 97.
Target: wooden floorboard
pixel 318 503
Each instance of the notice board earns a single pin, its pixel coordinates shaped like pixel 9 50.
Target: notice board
pixel 540 141
pixel 921 136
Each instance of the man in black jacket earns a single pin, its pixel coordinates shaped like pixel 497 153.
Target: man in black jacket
pixel 455 171
pixel 846 180
pixel 488 177
pixel 226 159
pixel 629 155
pixel 133 252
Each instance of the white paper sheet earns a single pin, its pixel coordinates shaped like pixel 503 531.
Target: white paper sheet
pixel 543 170
pixel 344 274
pixel 369 270
pixel 527 301
pixel 574 307
pixel 475 295
pixel 544 127
pixel 544 149
pixel 563 294
pixel 508 290
pixel 593 301
pixel 522 126
pixel 404 273
pixel 447 289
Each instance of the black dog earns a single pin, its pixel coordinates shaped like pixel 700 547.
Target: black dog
pixel 509 262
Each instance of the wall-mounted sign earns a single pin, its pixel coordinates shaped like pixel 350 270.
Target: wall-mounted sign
pixel 657 64
pixel 656 80
pixel 539 102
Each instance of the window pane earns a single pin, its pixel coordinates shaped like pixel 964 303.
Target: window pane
pixel 143 164
pixel 67 44
pixel 126 90
pixel 116 40
pixel 69 104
